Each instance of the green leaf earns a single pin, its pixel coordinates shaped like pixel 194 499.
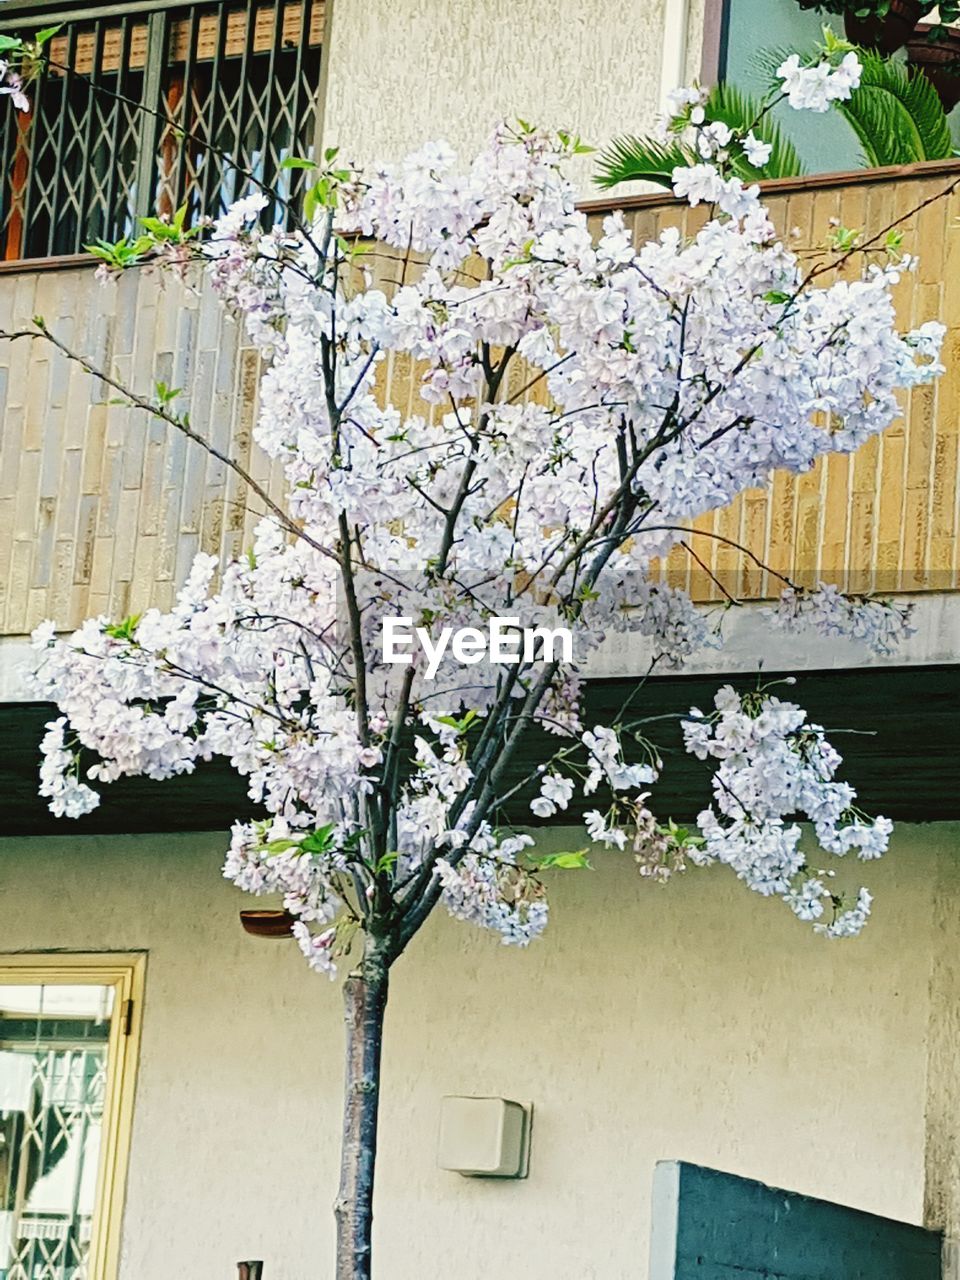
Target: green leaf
pixel 461 725
pixel 577 861
pixel 777 296
pixel 280 846
pixel 896 114
pixel 165 394
pixel 46 34
pixel 318 841
pixel 7 43
pixel 297 162
pixel 633 159
pixel 387 862
pixel 844 238
pixel 123 630
pixel 161 230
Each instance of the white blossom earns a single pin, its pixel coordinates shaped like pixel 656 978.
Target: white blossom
pixel 668 358
pixel 757 152
pixel 815 88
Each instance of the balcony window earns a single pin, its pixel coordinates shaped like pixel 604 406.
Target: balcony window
pixel 67 1056
pixel 145 108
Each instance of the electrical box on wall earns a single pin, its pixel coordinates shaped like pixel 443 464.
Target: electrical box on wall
pixel 485 1137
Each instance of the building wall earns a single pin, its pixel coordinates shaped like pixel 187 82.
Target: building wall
pixel 943 1072
pixel 695 1021
pixel 399 75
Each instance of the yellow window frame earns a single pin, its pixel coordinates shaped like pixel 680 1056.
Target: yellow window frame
pixel 125 973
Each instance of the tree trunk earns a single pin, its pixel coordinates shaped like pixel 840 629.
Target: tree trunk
pixel 364 1003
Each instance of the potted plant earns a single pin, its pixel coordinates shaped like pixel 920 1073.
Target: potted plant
pixel 895 112
pixel 935 50
pixel 885 25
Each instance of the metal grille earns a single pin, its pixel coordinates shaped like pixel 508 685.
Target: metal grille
pixel 136 114
pixel 53 1082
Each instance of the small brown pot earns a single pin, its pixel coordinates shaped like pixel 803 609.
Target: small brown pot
pixel 939 60
pixel 268 924
pixel 886 34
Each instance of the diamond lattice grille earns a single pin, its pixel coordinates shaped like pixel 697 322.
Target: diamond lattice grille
pixel 193 104
pixel 53 1079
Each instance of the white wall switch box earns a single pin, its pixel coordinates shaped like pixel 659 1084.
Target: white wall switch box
pixel 484 1137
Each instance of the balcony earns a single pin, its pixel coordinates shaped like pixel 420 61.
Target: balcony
pixel 102 511
pixel 144 109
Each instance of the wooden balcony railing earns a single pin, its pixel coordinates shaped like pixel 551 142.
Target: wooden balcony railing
pixel 101 512
pixel 886 519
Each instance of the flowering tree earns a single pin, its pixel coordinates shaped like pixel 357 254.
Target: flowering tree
pixel 657 384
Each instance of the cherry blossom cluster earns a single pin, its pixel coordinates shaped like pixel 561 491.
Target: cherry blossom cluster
pixel 817 87
pixel 714 147
pixel 880 625
pixel 11 86
pixel 775 766
pixel 580 400
pixel 59 781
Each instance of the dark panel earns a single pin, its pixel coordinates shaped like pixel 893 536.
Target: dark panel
pixel 208 800
pixel 895 727
pixel 714 1226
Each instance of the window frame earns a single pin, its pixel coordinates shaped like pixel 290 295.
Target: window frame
pixel 125 972
pixel 15 15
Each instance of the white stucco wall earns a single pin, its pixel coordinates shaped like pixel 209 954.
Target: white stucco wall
pixel 695 1021
pixel 400 74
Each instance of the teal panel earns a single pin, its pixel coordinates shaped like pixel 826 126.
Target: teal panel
pixel 825 142
pixel 715 1226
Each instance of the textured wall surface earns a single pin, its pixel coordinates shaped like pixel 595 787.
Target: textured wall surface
pixel 398 75
pixel 695 1021
pixel 943 1072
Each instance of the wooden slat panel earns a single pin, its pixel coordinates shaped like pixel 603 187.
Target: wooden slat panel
pixel 207 36
pixel 101 512
pixel 888 518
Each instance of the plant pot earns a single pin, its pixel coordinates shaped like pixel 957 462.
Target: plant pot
pixel 886 34
pixel 268 924
pixel 939 60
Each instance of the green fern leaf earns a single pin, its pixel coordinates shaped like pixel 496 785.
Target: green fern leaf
pixel 896 114
pixel 632 159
